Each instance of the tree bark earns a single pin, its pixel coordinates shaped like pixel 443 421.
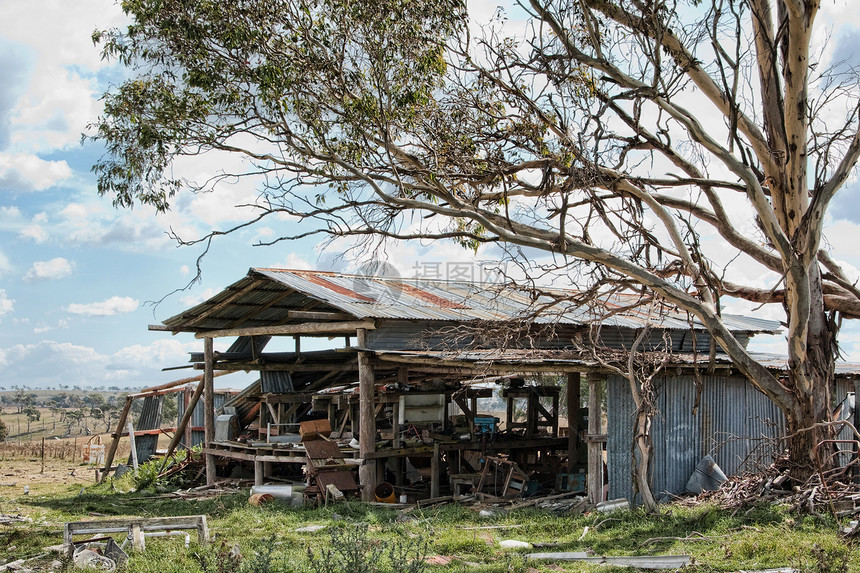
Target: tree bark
pixel 642 459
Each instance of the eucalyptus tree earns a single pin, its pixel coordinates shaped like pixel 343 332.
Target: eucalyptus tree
pixel 637 142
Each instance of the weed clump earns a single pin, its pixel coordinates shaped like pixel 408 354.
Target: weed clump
pixel 351 550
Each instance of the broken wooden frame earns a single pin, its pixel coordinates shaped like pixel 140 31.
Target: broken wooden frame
pixel 136 528
pixel 156 393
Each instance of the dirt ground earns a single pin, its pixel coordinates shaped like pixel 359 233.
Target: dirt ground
pixel 17 471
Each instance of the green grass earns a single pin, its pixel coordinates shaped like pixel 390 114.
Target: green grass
pixel 763 537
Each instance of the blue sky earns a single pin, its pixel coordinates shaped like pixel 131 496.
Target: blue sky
pixel 77 277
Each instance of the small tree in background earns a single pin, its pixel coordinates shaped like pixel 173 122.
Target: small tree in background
pixel 32 414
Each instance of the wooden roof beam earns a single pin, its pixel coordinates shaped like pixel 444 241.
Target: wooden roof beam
pixel 318 315
pixel 303 328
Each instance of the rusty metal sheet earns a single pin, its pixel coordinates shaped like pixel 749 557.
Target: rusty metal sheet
pixel 342 480
pixel 323 450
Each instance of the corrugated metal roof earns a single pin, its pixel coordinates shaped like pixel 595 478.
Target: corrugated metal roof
pixel 266 296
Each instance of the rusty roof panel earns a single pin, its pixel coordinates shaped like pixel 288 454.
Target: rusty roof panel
pixel 266 296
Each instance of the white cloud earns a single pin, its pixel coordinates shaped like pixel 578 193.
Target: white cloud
pixel 6 304
pixel 48 327
pixel 61 87
pixel 56 268
pixel 27 172
pixel 297 262
pixel 9 213
pixel 74 211
pixel 5 266
pixel 163 352
pixel 184 270
pixel 93 225
pixel 111 306
pixel 36 233
pixel 194 298
pixel 265 233
pixel 73 364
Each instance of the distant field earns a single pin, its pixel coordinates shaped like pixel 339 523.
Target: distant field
pixel 30 415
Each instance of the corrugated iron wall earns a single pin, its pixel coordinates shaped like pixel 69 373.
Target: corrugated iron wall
pixel 197 417
pixel 149 419
pixel 276 382
pixel 732 423
pixel 843 388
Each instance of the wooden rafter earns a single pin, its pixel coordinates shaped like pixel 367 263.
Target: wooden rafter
pixel 260 308
pixel 305 328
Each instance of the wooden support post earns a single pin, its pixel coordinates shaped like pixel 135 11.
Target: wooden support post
pixel 133 445
pixel 574 383
pixel 531 414
pixel 209 405
pixel 138 539
pixel 397 443
pixel 123 416
pixel 367 420
pixel 259 472
pixel 595 448
pixel 435 462
pixel 189 432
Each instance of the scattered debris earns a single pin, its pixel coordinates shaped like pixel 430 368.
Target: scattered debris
pixel 259 499
pixel 384 493
pixel 136 528
pixel 613 504
pixel 332 493
pixel 16 565
pixel 514 544
pixel 550 501
pixel 642 562
pixel 824 492
pixel 584 533
pixel 87 558
pixel 706 477
pixel 310 529
pixel 326 466
pixel 4 519
pixel 502 477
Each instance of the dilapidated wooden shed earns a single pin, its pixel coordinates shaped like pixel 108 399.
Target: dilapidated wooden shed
pixel 411 363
